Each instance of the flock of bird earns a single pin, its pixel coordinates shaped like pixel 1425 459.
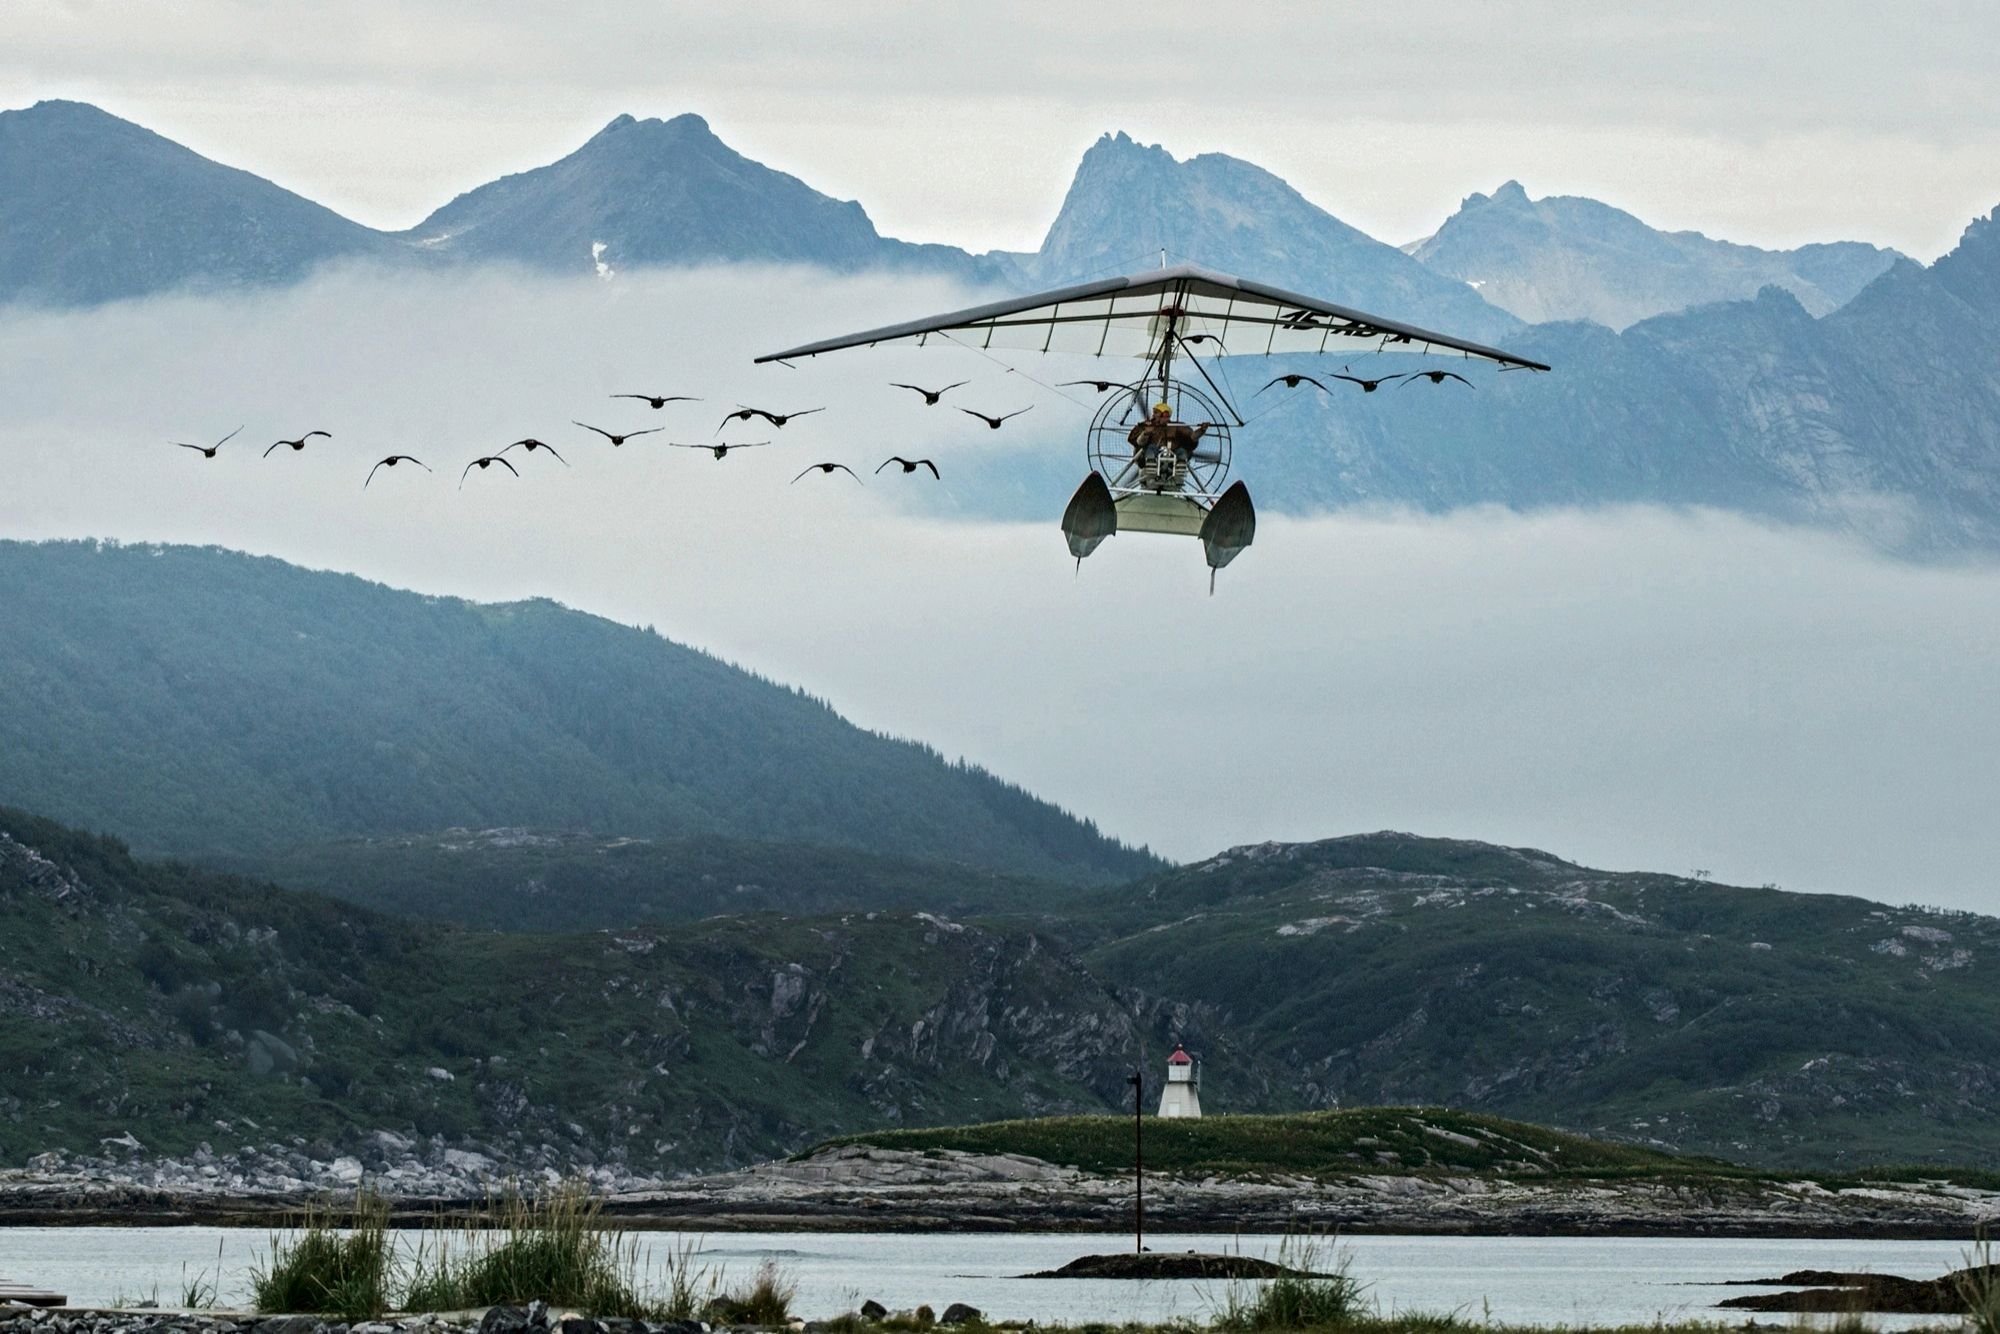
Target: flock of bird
pixel 1370 386
pixel 777 420
pixel 718 448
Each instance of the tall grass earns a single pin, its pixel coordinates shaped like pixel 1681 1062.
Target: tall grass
pixel 1316 1292
pixel 327 1266
pixel 199 1293
pixel 1978 1284
pixel 554 1248
pixel 691 1285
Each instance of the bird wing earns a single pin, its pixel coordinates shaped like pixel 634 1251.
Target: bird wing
pixel 932 466
pixel 805 413
pixel 898 384
pixel 982 416
pixel 412 458
pixel 844 468
pixel 310 434
pixel 508 466
pixel 893 458
pixel 274 445
pixel 1351 379
pixel 202 448
pixel 1018 411
pixel 1276 379
pixel 227 438
pixel 803 472
pixel 588 427
pixel 552 449
pixel 467 473
pixel 650 430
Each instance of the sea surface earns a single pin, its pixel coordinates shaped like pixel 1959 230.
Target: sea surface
pixel 1508 1280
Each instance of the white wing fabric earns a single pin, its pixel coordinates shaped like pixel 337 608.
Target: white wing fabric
pixel 1211 314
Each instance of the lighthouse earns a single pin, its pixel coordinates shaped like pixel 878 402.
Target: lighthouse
pixel 1182 1094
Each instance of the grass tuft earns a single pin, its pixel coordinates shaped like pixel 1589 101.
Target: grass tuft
pixel 329 1267
pixel 1318 1294
pixel 765 1300
pixel 553 1248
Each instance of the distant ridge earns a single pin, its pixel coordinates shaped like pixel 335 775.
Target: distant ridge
pixel 100 209
pixel 653 192
pixel 1129 201
pixel 1568 258
pixel 94 208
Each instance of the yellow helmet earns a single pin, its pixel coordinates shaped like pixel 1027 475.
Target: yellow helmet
pixel 1163 407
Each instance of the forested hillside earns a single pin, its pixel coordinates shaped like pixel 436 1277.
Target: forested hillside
pixel 1782 1030
pixel 1762 1025
pixel 524 880
pixel 203 702
pixel 181 1007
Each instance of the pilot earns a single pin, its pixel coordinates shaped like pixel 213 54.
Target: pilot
pixel 1161 431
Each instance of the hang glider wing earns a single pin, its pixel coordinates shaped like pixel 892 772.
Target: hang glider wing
pixel 1212 314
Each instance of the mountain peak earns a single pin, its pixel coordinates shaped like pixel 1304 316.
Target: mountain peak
pixel 1130 200
pixel 650 192
pixel 685 127
pixel 100 208
pixel 1565 257
pixel 1971 271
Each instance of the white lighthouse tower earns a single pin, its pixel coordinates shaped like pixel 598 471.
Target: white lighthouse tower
pixel 1182 1094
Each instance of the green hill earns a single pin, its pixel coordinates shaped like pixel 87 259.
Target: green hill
pixel 1393 1140
pixel 1349 987
pixel 187 1008
pixel 1765 1026
pixel 205 704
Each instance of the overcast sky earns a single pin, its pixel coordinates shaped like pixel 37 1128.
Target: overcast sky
pixel 1776 122
pixel 1631 688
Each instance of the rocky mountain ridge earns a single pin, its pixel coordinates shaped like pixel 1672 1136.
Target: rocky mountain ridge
pixel 1784 1030
pixel 101 209
pixel 1569 258
pixel 154 1014
pixel 1129 201
pixel 1760 1025
pixel 652 192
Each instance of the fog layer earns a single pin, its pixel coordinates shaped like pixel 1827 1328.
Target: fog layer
pixel 1631 688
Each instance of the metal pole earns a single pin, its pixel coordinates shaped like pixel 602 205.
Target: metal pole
pixel 1138 1162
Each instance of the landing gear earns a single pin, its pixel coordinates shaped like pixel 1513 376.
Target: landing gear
pixel 1161 489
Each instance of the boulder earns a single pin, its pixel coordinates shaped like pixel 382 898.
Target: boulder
pixel 502 1320
pixel 874 1310
pixel 958 1313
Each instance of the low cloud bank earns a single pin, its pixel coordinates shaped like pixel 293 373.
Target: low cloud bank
pixel 1631 688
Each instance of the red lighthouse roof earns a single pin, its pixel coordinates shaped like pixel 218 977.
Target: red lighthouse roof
pixel 1180 1057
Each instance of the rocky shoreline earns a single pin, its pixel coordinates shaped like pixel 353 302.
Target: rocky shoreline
pixel 858 1188
pixel 535 1318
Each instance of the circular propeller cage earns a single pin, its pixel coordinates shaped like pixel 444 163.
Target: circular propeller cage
pixel 1127 405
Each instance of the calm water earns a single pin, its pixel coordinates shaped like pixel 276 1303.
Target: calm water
pixel 1517 1280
